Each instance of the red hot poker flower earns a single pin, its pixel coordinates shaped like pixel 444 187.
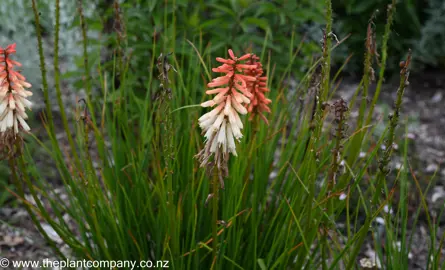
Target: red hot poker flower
pixel 223 125
pixel 13 95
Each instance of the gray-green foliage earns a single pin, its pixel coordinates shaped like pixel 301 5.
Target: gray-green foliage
pixel 430 47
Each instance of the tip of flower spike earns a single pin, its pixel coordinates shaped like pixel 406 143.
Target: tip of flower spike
pixel 11 48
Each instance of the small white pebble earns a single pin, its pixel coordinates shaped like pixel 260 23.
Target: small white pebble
pixel 431 168
pixel 380 220
pixel 388 210
pixel 438 193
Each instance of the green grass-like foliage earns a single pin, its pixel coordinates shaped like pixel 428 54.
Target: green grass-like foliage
pixel 136 192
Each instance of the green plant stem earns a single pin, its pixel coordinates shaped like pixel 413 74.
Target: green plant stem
pixel 57 85
pixel 325 81
pixel 43 67
pixel 325 85
pixel 85 59
pixel 357 141
pixel 391 11
pixel 119 38
pixel 321 97
pixel 89 167
pixel 326 71
pixel 21 193
pixel 165 120
pixel 366 77
pixel 251 148
pixel 215 184
pixel 383 170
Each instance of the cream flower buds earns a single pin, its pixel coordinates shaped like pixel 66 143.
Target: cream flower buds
pixel 13 95
pixel 222 126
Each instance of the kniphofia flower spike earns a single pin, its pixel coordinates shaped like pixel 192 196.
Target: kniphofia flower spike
pixel 13 95
pixel 222 126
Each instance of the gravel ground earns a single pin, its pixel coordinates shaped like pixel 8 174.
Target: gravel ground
pixel 423 115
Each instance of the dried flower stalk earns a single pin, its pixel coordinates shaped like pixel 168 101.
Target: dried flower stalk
pixel 340 108
pixel 394 118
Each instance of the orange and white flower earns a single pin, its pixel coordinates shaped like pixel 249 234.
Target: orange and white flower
pixel 13 94
pixel 222 126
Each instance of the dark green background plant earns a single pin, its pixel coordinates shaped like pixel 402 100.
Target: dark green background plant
pixel 429 48
pixel 417 24
pixel 217 25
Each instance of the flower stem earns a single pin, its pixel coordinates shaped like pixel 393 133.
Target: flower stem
pixel 383 166
pixel 85 59
pixel 57 85
pixel 215 184
pixel 327 53
pixel 21 193
pixel 391 11
pixel 43 67
pixel 252 145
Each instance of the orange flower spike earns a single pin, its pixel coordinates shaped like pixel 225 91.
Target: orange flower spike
pixel 222 126
pixel 13 95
